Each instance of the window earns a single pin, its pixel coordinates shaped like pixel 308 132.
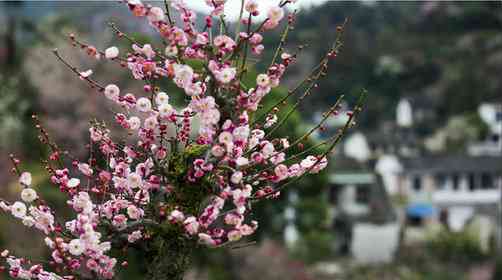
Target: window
pixel 487 181
pixel 498 116
pixel 495 138
pixel 373 146
pixel 334 191
pixel 440 181
pixel 417 183
pixel 471 180
pixel 362 194
pixel 456 181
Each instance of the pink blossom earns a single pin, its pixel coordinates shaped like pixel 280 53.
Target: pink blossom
pixel 146 50
pixel 236 177
pixel 86 74
pixel 194 89
pixel 308 162
pixel 281 171
pixel 322 163
pixel 226 138
pixel 252 7
pixel 183 75
pixel 241 133
pixel 224 43
pixel 267 149
pixel 270 120
pixel 256 39
pixel 275 14
pixel 112 92
pixel 233 218
pixel 217 151
pixel 134 213
pixel 176 216
pixel 241 161
pixel 258 49
pixel 191 225
pixel 234 235
pixel 207 240
pixel 166 110
pixel 263 80
pixel 155 14
pixel 25 179
pixel 134 236
pixel 134 123
pixel 247 229
pixel 85 169
pixel 171 51
pixel 226 75
pixel 120 221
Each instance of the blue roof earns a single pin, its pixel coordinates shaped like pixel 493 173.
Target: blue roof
pixel 420 210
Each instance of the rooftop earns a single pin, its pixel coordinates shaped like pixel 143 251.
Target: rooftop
pixel 453 163
pixel 359 178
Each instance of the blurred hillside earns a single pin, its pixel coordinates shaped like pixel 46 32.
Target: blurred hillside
pixel 446 55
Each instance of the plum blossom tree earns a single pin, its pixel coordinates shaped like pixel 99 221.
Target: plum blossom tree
pixel 183 177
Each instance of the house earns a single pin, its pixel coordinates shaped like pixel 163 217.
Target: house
pixel 401 136
pixel 357 192
pixel 491 114
pixel 361 210
pixel 451 187
pixel 412 110
pixel 389 167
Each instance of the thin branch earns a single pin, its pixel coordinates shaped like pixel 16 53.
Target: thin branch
pixel 337 45
pixel 102 53
pixel 348 124
pixel 238 28
pixel 93 83
pixel 168 13
pixel 284 36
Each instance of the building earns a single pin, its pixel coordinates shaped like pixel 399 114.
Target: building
pixel 456 186
pixel 361 211
pixel 491 114
pixel 358 193
pixel 430 184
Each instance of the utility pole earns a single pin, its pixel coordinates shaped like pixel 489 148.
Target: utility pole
pixel 498 118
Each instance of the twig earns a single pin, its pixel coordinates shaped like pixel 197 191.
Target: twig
pixel 348 124
pixel 93 83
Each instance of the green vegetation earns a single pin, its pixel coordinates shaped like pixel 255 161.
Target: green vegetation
pixel 457 247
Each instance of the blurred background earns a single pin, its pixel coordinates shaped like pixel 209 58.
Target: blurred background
pixel 413 192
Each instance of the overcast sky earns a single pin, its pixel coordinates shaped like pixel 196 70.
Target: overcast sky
pixel 232 7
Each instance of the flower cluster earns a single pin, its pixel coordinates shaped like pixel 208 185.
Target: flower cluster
pixel 193 169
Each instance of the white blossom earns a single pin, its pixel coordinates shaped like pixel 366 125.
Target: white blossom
pixel 76 247
pixel 144 105
pixel 73 183
pixel 28 195
pixel 111 52
pixel 112 92
pixel 18 209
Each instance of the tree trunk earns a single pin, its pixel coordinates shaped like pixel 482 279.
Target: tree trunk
pixel 171 260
